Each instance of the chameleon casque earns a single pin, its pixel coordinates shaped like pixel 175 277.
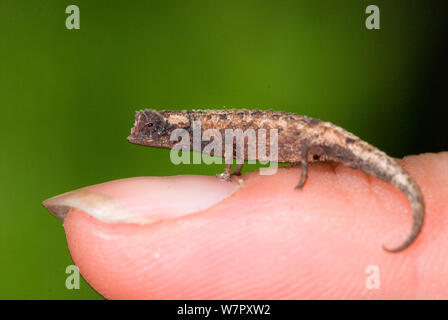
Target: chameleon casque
pixel 301 140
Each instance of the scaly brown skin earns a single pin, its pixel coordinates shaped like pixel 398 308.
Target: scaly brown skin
pixel 301 140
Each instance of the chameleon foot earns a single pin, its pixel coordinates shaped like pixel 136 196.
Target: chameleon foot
pixel 224 176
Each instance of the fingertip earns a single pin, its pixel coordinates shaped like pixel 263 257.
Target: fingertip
pixel 143 200
pixel 265 240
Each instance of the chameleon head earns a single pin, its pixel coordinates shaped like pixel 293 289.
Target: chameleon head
pixel 150 129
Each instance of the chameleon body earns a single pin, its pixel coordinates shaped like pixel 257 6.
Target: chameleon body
pixel 301 140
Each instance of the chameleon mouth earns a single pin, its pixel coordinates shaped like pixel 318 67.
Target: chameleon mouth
pixel 141 141
pixel 135 139
pixel 132 139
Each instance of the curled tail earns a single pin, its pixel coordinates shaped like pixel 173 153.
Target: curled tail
pixel 391 172
pixel 412 191
pixel 336 144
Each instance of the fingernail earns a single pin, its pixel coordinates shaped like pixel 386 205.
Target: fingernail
pixel 143 200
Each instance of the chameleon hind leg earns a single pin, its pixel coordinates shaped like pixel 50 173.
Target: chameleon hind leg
pixel 304 171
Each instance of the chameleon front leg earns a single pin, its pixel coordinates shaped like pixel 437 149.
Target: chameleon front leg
pixel 237 171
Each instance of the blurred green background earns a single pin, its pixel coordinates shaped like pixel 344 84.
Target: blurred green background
pixel 68 97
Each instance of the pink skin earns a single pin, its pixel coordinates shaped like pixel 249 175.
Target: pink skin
pixel 262 239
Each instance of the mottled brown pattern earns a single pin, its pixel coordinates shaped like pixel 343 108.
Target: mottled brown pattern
pixel 301 140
